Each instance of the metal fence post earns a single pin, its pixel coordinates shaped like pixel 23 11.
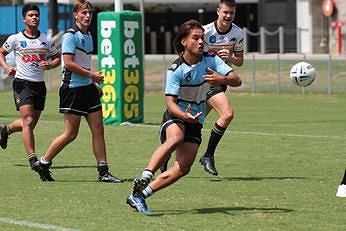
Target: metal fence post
pixel 281 39
pixel 329 74
pixel 263 40
pixel 245 34
pixel 253 74
pixel 278 73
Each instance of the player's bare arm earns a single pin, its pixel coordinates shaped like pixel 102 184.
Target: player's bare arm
pixel 10 71
pixel 237 58
pixel 214 78
pixel 50 64
pixel 70 65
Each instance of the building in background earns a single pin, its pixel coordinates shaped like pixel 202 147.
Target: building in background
pixel 270 26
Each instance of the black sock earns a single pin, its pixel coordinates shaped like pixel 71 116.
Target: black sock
pixel 32 159
pixel 102 168
pixel 215 136
pixel 344 179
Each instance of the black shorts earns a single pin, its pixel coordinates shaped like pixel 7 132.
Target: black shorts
pixel 213 90
pixel 192 131
pixel 27 92
pixel 79 100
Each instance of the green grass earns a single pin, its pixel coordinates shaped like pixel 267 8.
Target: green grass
pixel 280 164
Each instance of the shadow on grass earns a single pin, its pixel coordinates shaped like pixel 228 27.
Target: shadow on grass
pixel 253 178
pixel 61 166
pixel 223 210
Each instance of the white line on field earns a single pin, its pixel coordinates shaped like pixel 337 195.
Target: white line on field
pixel 227 131
pixel 34 225
pixel 251 133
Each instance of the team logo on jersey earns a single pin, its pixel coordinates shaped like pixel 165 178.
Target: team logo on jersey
pixel 241 41
pixel 7 46
pixel 187 77
pixel 212 39
pixel 44 44
pixel 174 66
pixel 23 44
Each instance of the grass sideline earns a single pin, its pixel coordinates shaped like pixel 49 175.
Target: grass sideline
pixel 280 164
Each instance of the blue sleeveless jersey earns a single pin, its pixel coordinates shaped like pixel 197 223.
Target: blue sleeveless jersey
pixel 80 45
pixel 187 83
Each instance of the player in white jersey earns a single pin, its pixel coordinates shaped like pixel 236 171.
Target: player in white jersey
pixel 34 53
pixel 188 80
pixel 224 39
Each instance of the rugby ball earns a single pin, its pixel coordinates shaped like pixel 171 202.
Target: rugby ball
pixel 302 74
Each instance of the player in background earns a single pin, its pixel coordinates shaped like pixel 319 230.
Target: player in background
pixel 341 192
pixel 34 53
pixel 79 94
pixel 225 39
pixel 187 82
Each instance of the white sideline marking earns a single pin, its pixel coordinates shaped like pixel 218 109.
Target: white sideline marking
pixel 249 133
pixel 227 131
pixel 34 225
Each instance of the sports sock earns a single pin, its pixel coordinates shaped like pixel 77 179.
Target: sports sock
pixel 44 161
pixel 32 159
pixel 215 136
pixel 147 175
pixel 147 192
pixel 102 168
pixel 344 179
pixel 8 130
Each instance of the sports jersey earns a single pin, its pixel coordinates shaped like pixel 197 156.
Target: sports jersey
pixel 74 42
pixel 187 82
pixel 216 40
pixel 28 53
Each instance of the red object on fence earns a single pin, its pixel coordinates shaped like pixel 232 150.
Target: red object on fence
pixel 328 7
pixel 338 25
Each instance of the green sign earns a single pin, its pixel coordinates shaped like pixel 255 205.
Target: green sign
pixel 121 61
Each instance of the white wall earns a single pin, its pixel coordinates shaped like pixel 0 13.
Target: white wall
pixel 304 25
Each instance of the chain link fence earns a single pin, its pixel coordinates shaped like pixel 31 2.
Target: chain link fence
pixel 267 73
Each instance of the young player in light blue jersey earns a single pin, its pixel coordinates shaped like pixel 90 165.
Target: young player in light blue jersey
pixel 79 94
pixel 187 82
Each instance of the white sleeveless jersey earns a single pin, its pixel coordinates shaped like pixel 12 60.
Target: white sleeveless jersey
pixel 216 40
pixel 28 53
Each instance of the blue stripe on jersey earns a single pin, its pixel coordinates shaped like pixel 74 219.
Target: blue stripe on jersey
pixel 74 42
pixel 187 83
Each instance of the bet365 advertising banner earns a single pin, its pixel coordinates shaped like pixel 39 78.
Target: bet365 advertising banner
pixel 121 61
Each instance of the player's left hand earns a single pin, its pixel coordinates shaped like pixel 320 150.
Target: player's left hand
pixel 224 54
pixel 214 78
pixel 44 65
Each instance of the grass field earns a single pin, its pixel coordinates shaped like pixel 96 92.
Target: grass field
pixel 280 164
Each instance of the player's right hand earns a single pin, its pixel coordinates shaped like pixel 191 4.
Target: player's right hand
pixel 191 118
pixel 97 77
pixel 11 71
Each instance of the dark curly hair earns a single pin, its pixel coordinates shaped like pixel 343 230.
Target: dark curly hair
pixel 183 31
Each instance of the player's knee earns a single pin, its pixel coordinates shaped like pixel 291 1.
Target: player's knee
pixel 70 136
pixel 28 122
pixel 184 170
pixel 228 115
pixel 174 140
